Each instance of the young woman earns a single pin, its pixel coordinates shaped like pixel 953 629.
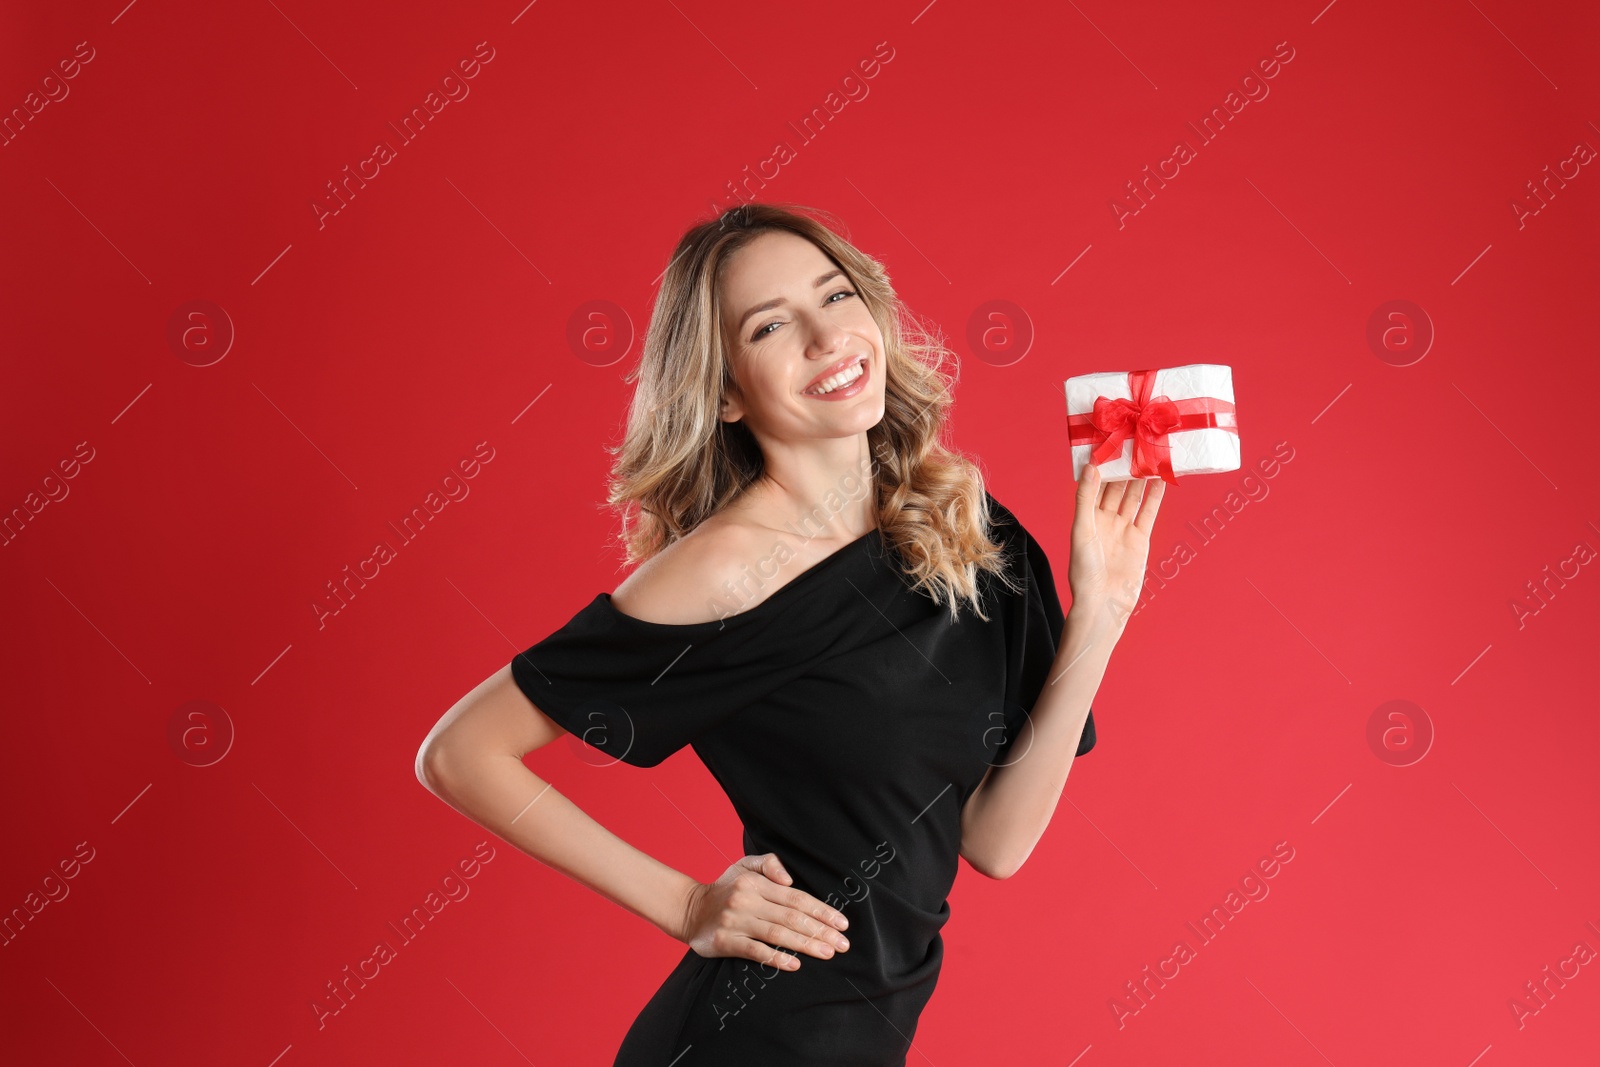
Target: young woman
pixel 865 648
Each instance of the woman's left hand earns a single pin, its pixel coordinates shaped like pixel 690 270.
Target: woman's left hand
pixel 1111 542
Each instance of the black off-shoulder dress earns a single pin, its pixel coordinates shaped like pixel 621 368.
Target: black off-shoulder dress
pixel 848 719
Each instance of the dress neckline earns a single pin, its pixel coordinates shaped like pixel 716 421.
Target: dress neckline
pixel 822 564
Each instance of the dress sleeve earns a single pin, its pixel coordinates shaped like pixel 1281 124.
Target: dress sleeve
pixel 1034 625
pixel 639 691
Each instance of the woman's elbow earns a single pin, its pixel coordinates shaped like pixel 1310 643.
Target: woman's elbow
pixel 989 867
pixel 431 764
pixel 450 750
pixel 492 720
pixel 1005 870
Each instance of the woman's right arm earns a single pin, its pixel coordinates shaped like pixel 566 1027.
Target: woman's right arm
pixel 472 760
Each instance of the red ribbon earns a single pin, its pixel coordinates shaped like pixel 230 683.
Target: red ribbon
pixel 1148 420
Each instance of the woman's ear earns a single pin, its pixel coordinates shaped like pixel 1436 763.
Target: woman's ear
pixel 731 407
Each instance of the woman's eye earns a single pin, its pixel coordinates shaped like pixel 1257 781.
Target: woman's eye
pixel 759 334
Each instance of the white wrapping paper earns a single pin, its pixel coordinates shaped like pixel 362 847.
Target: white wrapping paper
pixel 1210 450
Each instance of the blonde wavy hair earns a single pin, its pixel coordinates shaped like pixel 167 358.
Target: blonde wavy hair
pixel 678 463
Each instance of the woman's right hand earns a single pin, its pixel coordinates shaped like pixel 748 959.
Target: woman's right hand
pixel 754 907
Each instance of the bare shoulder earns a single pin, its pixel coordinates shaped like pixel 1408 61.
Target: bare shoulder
pixel 683 583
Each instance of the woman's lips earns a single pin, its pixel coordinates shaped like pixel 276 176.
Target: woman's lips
pixel 847 391
pixel 838 367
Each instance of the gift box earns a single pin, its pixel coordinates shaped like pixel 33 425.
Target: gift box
pixel 1153 423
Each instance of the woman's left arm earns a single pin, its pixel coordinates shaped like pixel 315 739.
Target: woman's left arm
pixel 1006 815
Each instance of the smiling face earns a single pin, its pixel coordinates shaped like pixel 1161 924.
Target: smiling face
pixel 794 326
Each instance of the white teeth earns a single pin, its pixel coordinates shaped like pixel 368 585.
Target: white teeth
pixel 844 377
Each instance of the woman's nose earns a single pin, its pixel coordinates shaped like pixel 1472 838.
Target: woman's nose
pixel 827 338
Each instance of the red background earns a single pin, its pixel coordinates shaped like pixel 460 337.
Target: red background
pixel 432 313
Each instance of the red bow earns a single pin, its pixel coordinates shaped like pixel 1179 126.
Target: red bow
pixel 1148 420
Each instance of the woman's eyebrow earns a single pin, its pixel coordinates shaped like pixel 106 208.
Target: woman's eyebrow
pixel 770 304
